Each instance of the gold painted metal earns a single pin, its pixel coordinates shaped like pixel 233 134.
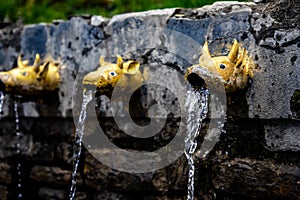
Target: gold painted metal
pixel 109 74
pixel 235 68
pixel 25 79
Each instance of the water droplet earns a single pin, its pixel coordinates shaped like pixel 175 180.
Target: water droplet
pixel 18 145
pixel 193 147
pixel 19 134
pixel 205 153
pixel 87 97
pixel 1 103
pixel 197 108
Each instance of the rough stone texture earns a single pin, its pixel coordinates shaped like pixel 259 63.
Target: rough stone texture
pixel 53 175
pixel 48 193
pixel 282 136
pixel 5 176
pixel 257 156
pixel 246 177
pixel 295 104
pixel 3 192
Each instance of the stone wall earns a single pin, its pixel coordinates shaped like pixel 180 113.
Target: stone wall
pixel 257 156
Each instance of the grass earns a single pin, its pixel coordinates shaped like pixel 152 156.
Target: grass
pixel 35 11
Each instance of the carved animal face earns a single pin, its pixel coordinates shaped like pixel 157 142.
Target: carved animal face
pixel 235 68
pixel 105 78
pixel 31 79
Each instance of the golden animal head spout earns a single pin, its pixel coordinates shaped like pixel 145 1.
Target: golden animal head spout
pixel 26 80
pixel 235 69
pixel 126 74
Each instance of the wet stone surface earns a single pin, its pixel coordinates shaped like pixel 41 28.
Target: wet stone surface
pixel 257 156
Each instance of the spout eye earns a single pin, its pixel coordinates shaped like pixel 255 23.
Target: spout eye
pixel 113 73
pixel 5 76
pixel 222 66
pixel 24 73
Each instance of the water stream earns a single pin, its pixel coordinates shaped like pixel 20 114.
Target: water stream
pixel 1 103
pixel 87 97
pixel 197 107
pixel 18 146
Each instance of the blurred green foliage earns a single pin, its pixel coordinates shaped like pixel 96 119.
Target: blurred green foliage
pixel 34 11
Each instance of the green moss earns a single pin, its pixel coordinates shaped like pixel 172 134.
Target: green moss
pixel 35 11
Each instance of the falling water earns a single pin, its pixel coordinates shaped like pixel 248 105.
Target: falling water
pixel 19 165
pixel 197 107
pixel 1 103
pixel 87 97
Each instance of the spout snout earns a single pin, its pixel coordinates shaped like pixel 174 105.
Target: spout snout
pixel 91 78
pixel 4 79
pixel 200 77
pixel 96 82
pixel 89 83
pixel 195 80
pixel 197 76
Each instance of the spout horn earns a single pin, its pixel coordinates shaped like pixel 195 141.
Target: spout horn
pixel 234 51
pixel 205 57
pixel 101 61
pixel 42 75
pixel 20 62
pixel 205 48
pixel 119 61
pixel 37 60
